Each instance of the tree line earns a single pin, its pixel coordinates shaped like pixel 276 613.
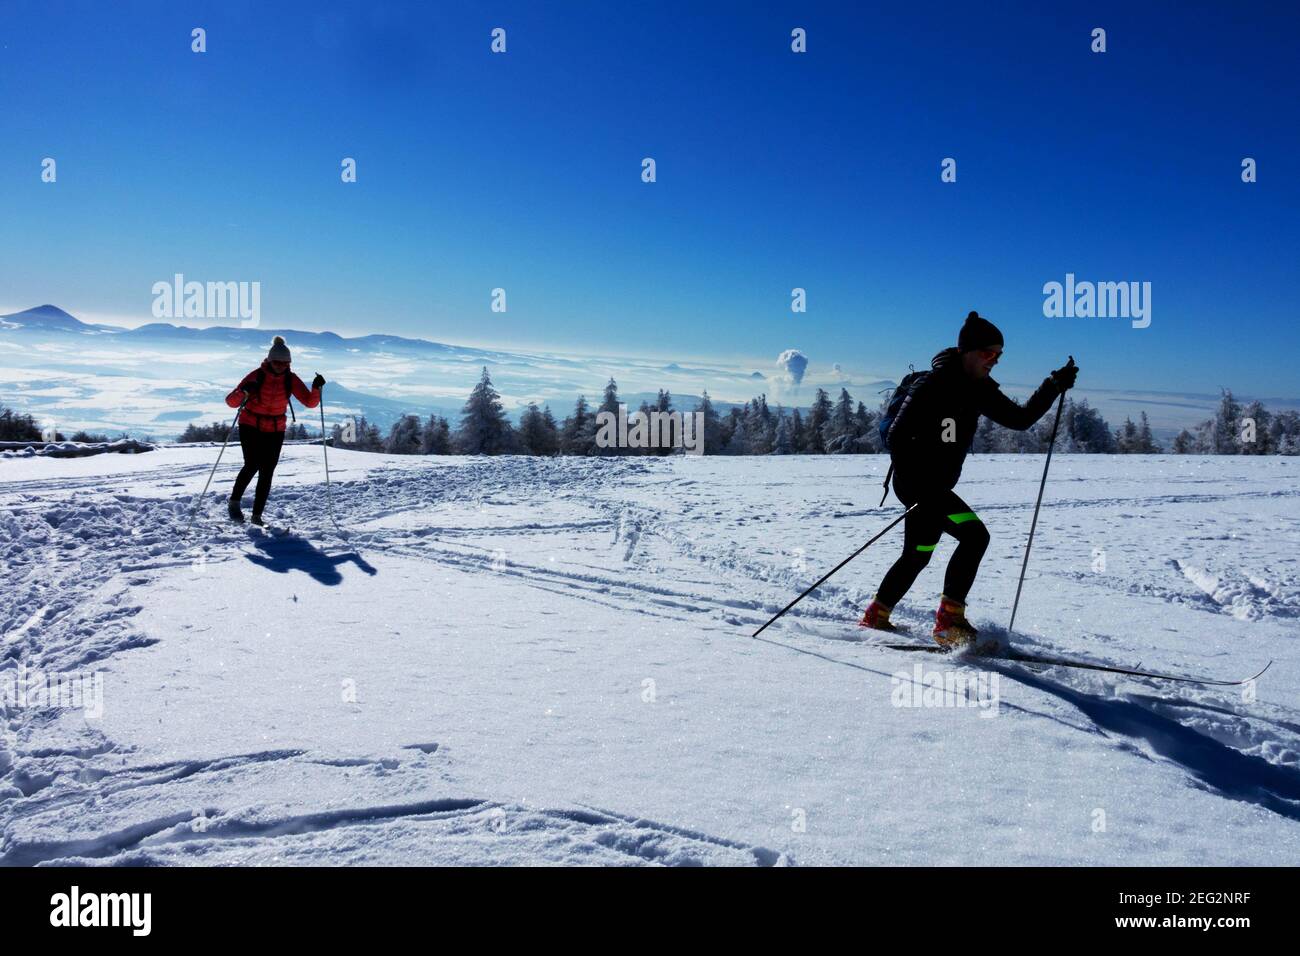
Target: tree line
pixel 217 431
pixel 16 427
pixel 826 427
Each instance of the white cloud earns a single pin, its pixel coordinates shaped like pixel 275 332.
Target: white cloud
pixel 793 364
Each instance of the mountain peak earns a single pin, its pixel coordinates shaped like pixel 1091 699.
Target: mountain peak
pixel 45 312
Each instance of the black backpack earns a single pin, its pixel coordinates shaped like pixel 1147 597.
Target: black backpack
pixel 896 412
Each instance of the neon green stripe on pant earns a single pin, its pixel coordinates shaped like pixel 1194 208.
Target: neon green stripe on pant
pixel 963 517
pixel 926 547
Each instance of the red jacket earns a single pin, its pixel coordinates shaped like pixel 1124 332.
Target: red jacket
pixel 265 410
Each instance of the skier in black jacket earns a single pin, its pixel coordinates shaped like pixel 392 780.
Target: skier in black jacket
pixel 928 440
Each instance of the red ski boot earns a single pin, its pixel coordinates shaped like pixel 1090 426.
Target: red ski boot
pixel 876 616
pixel 951 629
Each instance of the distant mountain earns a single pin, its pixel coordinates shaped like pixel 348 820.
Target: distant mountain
pixel 52 318
pixel 157 378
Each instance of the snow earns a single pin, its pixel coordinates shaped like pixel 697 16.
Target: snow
pixel 534 661
pixel 73 449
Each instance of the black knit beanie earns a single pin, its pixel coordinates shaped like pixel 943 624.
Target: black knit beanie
pixel 978 333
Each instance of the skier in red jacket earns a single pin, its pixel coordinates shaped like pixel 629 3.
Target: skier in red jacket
pixel 265 393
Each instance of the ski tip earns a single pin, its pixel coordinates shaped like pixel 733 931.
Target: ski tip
pixel 267 530
pixel 990 647
pixel 1257 676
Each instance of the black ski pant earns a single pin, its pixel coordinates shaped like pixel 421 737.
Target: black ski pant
pixel 938 513
pixel 261 455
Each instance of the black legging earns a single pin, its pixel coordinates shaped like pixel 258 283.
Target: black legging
pixel 261 455
pixel 938 512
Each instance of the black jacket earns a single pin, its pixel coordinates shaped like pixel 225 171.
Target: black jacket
pixel 922 459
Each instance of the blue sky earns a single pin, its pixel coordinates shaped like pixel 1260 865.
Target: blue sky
pixel 775 170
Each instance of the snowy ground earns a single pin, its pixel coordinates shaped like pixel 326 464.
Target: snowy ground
pixel 525 661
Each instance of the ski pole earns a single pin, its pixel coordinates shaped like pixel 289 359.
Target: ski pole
pixel 195 509
pixel 1033 524
pixel 822 579
pixel 324 445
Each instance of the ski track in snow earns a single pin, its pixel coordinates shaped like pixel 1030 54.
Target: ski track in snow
pixel 81 560
pixel 680 541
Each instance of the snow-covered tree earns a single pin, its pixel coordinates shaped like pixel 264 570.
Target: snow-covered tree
pixel 15 427
pixel 484 427
pixel 839 432
pixel 733 430
pixel 1284 433
pixel 1224 429
pixel 1205 443
pixel 608 403
pixel 1126 437
pixel 645 410
pixel 783 442
pixel 760 428
pixel 404 436
pixel 578 434
pixel 1147 444
pixel 797 431
pixel 552 426
pixel 712 425
pixel 663 405
pixel 537 435
pixel 436 437
pixel 1088 431
pixel 1034 441
pixel 867 425
pixel 988 438
pixel 1258 416
pixel 366 436
pixel 818 415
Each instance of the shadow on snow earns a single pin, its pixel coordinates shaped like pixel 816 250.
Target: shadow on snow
pixel 1216 765
pixel 290 553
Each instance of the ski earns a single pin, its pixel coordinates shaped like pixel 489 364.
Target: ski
pixel 1133 672
pixel 923 648
pixel 275 531
pixel 1082 665
pixel 896 629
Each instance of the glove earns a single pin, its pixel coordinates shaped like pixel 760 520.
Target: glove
pixel 250 393
pixel 1063 378
pixel 318 381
